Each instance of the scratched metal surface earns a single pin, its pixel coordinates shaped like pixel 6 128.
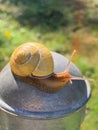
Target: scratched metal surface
pixel 28 107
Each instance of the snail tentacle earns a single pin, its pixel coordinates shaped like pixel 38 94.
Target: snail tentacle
pixel 69 61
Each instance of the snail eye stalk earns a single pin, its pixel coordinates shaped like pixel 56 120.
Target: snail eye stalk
pixel 69 61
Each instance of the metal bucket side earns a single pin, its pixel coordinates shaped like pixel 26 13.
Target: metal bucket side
pixel 71 121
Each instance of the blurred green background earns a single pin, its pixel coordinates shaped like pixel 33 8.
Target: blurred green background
pixel 60 25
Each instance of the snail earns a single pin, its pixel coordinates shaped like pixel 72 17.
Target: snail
pixel 33 63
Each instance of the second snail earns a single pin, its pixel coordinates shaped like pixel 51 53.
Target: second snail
pixel 33 64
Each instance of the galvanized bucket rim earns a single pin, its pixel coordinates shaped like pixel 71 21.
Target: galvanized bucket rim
pixel 44 115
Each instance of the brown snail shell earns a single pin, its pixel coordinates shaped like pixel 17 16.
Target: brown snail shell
pixel 31 58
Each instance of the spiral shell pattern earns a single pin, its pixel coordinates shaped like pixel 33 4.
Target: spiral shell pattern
pixel 32 58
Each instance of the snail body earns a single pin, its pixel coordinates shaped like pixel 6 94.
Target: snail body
pixel 33 64
pixel 49 84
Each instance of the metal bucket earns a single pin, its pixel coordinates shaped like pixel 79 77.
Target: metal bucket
pixel 24 107
pixel 14 122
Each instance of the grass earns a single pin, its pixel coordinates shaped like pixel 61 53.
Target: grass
pixel 16 27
